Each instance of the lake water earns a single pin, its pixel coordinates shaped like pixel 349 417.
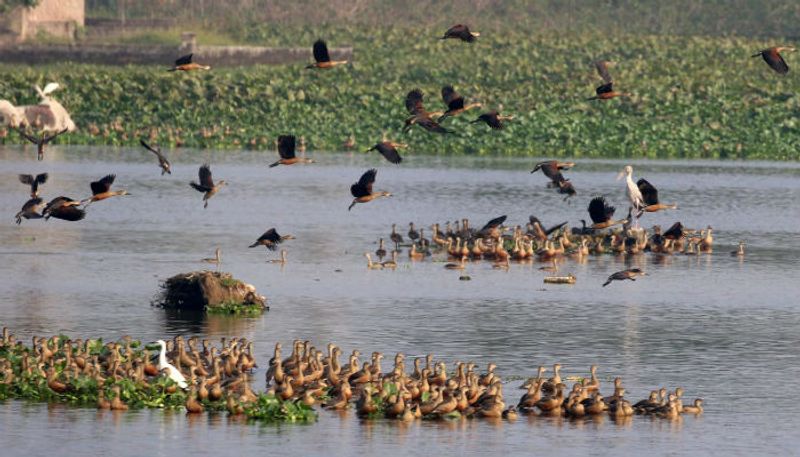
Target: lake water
pixel 725 329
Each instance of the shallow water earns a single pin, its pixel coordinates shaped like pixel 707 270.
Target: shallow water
pixel 724 329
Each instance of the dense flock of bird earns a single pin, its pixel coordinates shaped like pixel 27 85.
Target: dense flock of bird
pixel 311 376
pixel 214 375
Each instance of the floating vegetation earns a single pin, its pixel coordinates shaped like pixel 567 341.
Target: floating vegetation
pixel 213 291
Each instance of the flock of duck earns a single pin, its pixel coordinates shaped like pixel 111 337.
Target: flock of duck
pixel 207 377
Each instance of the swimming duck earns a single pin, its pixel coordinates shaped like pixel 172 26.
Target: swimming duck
pixel 695 408
pixel 216 259
pixel 738 252
pixel 372 265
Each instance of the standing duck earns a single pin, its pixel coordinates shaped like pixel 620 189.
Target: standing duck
pixel 286 149
pixel 206 184
pixel 362 190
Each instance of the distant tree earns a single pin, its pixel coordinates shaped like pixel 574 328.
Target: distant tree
pixel 8 5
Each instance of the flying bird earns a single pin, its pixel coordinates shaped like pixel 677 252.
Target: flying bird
pixel 493 119
pixel 460 32
pixel 271 239
pixel 101 190
pixel 30 210
pixel 322 58
pixel 206 184
pixel 185 63
pixel 625 274
pixel 362 190
pixel 388 150
pixel 162 160
pixel 419 115
pixel 34 182
pixel 552 169
pixel 455 103
pixel 650 197
pixel 492 228
pixel 602 67
pixel 40 142
pixel 64 208
pixel 607 92
pixel 601 213
pixel 772 56
pixel 287 152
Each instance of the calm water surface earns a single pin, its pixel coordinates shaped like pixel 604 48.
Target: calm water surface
pixel 724 329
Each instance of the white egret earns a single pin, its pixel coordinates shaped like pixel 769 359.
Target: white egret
pixel 634 194
pixel 172 372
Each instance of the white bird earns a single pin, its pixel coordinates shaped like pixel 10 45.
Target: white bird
pixel 634 194
pixel 172 372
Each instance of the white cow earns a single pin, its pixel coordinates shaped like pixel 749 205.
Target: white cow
pixel 48 116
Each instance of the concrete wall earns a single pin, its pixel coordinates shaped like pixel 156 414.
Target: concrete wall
pixel 55 17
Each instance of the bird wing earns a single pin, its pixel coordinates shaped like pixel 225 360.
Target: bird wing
pixel 389 152
pixel 675 232
pixel 56 202
pixel 364 185
pixel 49 88
pixel 321 51
pixel 550 169
pixel 432 126
pixel 50 138
pixel 458 30
pixel 605 89
pixel 286 146
pixel 32 204
pixel 27 136
pixel 602 70
pixel 184 60
pixel 26 179
pixel 68 213
pixel 494 223
pixel 775 60
pixel 270 235
pixel 156 151
pixel 600 211
pixel 42 178
pixel 204 175
pixel 414 102
pixel 103 185
pixel 451 98
pixel 649 193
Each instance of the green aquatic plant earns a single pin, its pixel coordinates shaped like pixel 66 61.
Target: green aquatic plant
pixel 271 409
pixel 236 308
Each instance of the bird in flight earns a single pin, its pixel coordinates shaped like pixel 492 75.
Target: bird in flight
pixel 206 184
pixel 162 159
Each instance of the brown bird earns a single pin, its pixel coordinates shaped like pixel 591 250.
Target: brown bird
pixel 64 208
pixel 625 274
pixel 650 197
pixel 30 210
pixel 552 169
pixel 271 239
pixel 40 142
pixel 606 92
pixel 772 56
pixel 493 119
pixel 185 64
pixel 419 115
pixel 206 184
pixel 675 232
pixel 602 69
pixel 460 32
pixel 362 190
pixel 455 103
pixel 34 182
pixel 162 160
pixel 388 150
pixel 101 190
pixel 350 142
pixel 286 149
pixel 322 58
pixel 601 213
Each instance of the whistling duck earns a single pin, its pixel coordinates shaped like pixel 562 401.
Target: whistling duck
pixel 625 274
pixel 40 142
pixel 301 146
pixel 493 119
pixel 650 197
pixel 216 259
pixel 322 58
pixel 695 408
pixel 492 228
pixel 413 234
pixel 420 116
pixel 457 266
pixel 271 239
pixel 708 241
pixel 63 208
pixel 675 232
pixel 30 210
pixel 738 252
pixel 286 149
pixel 372 265
pixel 193 406
pixel 414 254
pixel 101 190
pixel 349 143
pixel 362 190
pixel 206 184
pixel 534 394
pixel 552 169
pixel 772 56
pixel 116 403
pixel 606 92
pixel 631 189
pixel 163 366
pixel 381 251
pixel 601 212
pixel 388 150
pixel 102 403
pixel 185 63
pixel 391 264
pixel 395 237
pixel 455 103
pixel 162 160
pixel 34 182
pixel 648 405
pixel 602 67
pixel 460 32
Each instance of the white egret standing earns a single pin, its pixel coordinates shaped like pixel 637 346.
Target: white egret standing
pixel 172 372
pixel 634 194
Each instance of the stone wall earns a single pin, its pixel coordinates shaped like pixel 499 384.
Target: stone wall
pixel 59 18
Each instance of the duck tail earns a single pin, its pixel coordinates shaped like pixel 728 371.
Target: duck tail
pixel 275 164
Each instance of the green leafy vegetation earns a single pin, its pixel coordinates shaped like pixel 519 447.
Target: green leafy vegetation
pixel 692 97
pixel 246 309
